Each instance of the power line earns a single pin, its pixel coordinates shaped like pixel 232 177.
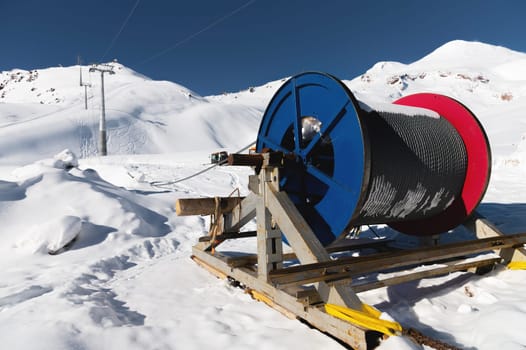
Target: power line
pixel 190 37
pixel 120 30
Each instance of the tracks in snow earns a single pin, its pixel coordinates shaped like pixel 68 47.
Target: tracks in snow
pixel 93 289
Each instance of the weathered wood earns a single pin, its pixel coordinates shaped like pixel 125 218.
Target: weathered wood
pixel 306 245
pixel 269 244
pixel 205 206
pixel 210 268
pixel 483 228
pixel 253 184
pixel 241 159
pixel 250 259
pixel 345 245
pixel 451 266
pixel 359 243
pixel 309 273
pixel 241 214
pixel 308 296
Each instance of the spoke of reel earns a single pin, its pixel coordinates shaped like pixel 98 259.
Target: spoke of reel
pixel 326 128
pixel 297 119
pixel 329 181
pixel 274 146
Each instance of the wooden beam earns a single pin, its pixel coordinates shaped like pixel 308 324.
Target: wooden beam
pixel 451 266
pixel 269 244
pixel 241 214
pixel 483 228
pixel 326 270
pixel 205 206
pixel 348 244
pixel 306 245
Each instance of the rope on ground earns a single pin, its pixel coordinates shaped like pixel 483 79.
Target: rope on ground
pixel 423 339
pixel 217 220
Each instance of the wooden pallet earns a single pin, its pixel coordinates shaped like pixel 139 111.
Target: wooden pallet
pixel 299 284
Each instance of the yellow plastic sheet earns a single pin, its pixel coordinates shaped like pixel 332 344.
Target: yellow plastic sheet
pixel 368 318
pixel 517 265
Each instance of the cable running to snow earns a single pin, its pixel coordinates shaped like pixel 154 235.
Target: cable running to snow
pixel 161 184
pixel 120 30
pixel 190 37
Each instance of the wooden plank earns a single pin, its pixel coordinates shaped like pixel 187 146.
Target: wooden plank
pixel 204 206
pixel 308 296
pixel 325 270
pixel 247 259
pixel 216 272
pixel 269 245
pixel 358 243
pixel 250 259
pixel 241 214
pixel 452 266
pixel 306 245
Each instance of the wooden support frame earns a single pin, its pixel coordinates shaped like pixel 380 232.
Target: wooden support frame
pixel 483 228
pixel 301 291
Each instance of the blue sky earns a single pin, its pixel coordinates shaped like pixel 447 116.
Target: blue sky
pixel 212 46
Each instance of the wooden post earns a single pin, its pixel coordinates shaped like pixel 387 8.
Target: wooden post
pixel 269 243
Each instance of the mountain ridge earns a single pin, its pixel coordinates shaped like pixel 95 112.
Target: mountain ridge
pixel 149 116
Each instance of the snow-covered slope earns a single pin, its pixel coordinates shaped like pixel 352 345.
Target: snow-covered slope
pixel 490 80
pixel 127 280
pixel 45 109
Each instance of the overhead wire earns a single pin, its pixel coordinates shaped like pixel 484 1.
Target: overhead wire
pixel 114 40
pixel 168 49
pixel 191 36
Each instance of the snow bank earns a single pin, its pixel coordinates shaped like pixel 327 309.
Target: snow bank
pixel 64 202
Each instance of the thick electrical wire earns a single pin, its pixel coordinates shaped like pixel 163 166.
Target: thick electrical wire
pixel 112 43
pixel 191 36
pixel 162 184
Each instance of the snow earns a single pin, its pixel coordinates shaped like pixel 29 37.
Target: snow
pixel 397 109
pixel 127 280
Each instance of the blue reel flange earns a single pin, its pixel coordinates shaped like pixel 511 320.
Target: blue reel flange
pixel 313 118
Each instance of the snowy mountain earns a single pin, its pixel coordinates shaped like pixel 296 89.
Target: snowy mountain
pixel 127 280
pixel 143 116
pixel 490 80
